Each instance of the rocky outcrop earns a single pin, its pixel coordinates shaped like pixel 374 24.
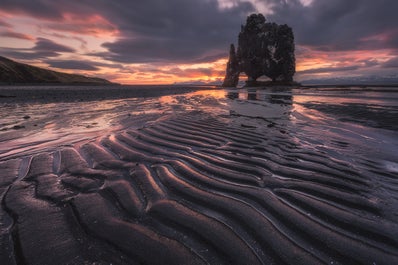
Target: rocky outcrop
pixel 265 49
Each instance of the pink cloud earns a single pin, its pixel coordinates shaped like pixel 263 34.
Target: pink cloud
pixel 93 25
pixel 4 24
pixel 15 35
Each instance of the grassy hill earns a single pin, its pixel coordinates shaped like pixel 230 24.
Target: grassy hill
pixel 12 72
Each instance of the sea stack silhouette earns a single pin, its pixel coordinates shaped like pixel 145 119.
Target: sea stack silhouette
pixel 264 49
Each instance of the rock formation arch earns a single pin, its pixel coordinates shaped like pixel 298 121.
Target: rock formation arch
pixel 263 49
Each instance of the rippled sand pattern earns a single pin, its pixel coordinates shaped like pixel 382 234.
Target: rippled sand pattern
pixel 192 189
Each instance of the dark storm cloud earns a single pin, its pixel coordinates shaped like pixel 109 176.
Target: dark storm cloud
pixel 392 63
pixel 176 30
pixel 39 8
pixel 199 31
pixel 370 63
pixel 329 69
pixel 26 54
pixel 71 64
pixel 44 48
pixel 44 45
pixel 341 25
pixel 152 30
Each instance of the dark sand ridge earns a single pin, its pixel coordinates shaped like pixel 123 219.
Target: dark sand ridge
pixel 191 187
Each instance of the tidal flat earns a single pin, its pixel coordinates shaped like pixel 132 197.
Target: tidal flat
pixel 198 175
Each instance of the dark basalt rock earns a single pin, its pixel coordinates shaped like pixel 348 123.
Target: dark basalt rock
pixel 232 76
pixel 264 49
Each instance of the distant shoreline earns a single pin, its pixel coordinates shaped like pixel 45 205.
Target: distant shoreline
pixel 60 84
pixel 350 85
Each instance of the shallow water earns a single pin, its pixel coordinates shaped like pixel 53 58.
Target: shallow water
pixel 345 122
pixel 342 121
pixel 205 177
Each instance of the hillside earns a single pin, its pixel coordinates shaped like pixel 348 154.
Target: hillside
pixel 12 72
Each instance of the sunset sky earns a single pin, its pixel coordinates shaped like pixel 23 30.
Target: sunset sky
pixel 159 41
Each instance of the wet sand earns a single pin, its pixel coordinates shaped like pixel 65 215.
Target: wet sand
pixel 205 177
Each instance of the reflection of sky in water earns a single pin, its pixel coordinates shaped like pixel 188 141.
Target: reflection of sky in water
pixel 349 123
pixel 343 97
pixel 204 100
pixel 65 122
pixel 323 130
pixel 62 123
pixel 260 95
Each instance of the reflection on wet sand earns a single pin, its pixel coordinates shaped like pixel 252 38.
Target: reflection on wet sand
pixel 262 95
pixel 208 177
pixel 268 105
pixel 65 123
pixel 232 95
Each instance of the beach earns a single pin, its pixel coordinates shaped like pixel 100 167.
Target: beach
pixel 198 175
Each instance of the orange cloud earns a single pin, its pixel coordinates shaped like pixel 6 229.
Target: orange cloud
pixel 169 74
pixel 311 59
pixel 93 25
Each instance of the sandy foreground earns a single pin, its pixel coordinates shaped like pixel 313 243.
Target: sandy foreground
pixel 198 176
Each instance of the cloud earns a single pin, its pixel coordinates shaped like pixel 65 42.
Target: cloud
pixel 340 25
pixel 43 49
pixel 72 64
pixel 149 31
pixel 370 62
pixel 81 40
pixel 392 63
pixel 4 24
pixel 179 31
pixel 84 65
pixel 325 24
pixel 329 70
pixel 160 33
pixel 91 24
pixel 192 72
pixel 36 8
pixel 15 35
pixel 43 44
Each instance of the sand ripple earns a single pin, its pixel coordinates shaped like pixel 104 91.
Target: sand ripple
pixel 192 189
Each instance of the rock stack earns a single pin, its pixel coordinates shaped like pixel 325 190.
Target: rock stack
pixel 265 49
